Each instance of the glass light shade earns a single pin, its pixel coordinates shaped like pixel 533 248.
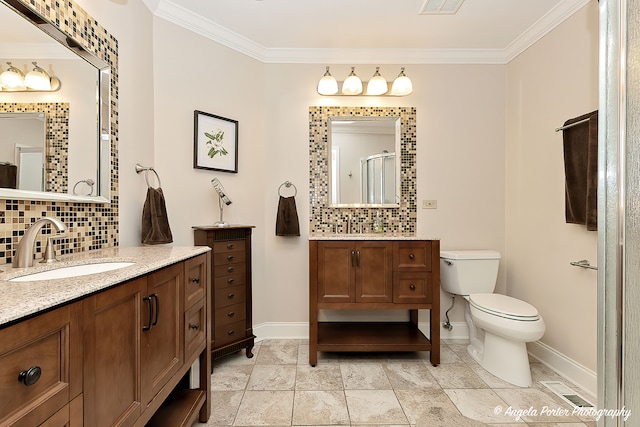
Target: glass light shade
pixel 327 84
pixel 12 79
pixel 37 79
pixel 401 85
pixel 352 85
pixel 377 85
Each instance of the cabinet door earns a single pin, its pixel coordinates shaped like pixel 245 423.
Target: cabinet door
pixel 111 355
pixel 162 335
pixel 336 271
pixel 374 272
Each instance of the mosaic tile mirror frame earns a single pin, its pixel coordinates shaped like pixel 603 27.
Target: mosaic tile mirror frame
pixel 324 219
pixel 89 225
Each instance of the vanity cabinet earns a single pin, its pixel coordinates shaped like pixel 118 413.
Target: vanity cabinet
pixel 41 370
pixel 141 338
pixel 229 287
pixel 374 275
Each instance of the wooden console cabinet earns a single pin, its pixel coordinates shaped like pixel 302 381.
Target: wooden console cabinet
pixel 374 275
pixel 230 287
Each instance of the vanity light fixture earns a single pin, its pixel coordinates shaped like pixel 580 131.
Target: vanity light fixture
pixel 377 86
pixel 327 84
pixel 36 80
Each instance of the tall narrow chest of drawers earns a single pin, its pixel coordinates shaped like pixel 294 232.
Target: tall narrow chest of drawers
pixel 230 287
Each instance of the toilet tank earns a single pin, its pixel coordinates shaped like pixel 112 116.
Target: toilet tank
pixel 469 272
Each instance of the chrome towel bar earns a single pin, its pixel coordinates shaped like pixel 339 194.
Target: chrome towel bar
pixel 584 264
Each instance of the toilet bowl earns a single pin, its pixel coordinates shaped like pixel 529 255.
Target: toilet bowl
pixel 499 325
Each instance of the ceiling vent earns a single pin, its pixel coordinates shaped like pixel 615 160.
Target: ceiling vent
pixel 440 7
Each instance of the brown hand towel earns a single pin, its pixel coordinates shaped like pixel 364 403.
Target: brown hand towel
pixel 155 223
pixel 8 175
pixel 581 171
pixel 287 218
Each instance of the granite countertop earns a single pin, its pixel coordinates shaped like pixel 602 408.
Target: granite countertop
pixel 22 299
pixel 367 236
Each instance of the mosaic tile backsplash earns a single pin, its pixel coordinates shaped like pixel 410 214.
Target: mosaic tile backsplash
pixel 89 226
pixel 326 220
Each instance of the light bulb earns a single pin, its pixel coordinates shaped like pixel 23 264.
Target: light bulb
pixel 401 85
pixel 37 79
pixel 327 84
pixel 377 85
pixel 12 79
pixel 352 84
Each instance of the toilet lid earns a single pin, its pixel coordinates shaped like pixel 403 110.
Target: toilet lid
pixel 504 306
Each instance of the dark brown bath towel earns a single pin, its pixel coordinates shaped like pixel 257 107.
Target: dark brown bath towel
pixel 287 218
pixel 581 171
pixel 155 223
pixel 8 175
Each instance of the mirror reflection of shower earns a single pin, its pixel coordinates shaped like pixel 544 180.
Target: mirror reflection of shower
pixel 378 178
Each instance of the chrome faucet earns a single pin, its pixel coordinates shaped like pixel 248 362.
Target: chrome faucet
pixel 24 252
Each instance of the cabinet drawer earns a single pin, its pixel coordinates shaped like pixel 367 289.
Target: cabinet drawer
pixel 229 269
pixel 224 281
pixel 224 246
pixel 40 346
pixel 229 333
pixel 195 279
pixel 413 256
pixel 230 295
pixel 225 258
pixel 194 328
pixel 413 288
pixel 230 314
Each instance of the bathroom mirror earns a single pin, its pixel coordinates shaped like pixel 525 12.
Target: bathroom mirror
pixel 82 152
pixel 364 161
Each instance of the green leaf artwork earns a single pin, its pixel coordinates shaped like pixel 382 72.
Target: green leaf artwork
pixel 215 144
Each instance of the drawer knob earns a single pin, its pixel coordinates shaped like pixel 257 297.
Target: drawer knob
pixel 231 314
pixel 230 296
pixel 229 245
pixel 230 281
pixel 30 376
pixel 411 256
pixel 231 269
pixel 194 326
pixel 230 258
pixel 231 332
pixel 412 287
pixel 195 280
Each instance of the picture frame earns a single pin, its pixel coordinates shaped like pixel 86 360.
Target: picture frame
pixel 215 142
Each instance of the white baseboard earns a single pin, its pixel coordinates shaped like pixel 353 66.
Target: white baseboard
pixel 564 366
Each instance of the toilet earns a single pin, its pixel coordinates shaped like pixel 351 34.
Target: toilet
pixel 499 325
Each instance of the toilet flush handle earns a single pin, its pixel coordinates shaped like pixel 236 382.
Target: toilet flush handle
pixel 449 263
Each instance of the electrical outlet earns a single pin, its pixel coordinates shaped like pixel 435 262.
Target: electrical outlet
pixel 429 204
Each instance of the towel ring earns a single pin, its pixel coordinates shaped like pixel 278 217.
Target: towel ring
pixel 140 168
pixel 90 183
pixel 287 184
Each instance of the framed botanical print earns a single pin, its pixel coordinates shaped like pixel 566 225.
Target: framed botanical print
pixel 215 142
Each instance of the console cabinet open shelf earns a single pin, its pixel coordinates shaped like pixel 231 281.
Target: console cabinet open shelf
pixel 374 275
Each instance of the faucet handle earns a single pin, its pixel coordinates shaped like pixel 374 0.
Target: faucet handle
pixel 49 254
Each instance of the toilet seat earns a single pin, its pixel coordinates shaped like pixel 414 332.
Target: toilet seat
pixel 504 306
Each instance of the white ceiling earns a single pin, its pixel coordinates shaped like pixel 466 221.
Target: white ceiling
pixel 369 31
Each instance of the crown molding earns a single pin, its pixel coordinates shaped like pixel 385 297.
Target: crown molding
pixel 169 11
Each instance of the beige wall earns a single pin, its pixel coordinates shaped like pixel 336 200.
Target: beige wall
pixel 552 81
pixel 486 152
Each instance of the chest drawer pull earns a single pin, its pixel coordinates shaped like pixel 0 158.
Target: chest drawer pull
pixel 195 280
pixel 412 287
pixel 194 326
pixel 230 258
pixel 231 314
pixel 231 296
pixel 412 256
pixel 231 332
pixel 231 269
pixel 230 281
pixel 230 246
pixel 30 376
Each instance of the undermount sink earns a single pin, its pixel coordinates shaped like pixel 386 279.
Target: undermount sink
pixel 72 271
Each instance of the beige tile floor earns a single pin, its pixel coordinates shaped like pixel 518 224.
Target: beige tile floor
pixel 278 387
